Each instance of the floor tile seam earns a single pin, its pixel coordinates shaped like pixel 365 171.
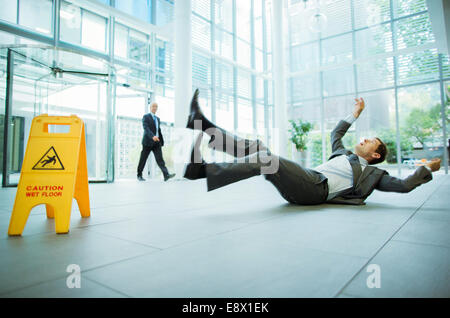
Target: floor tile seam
pixel 54 279
pixel 53 231
pixel 420 243
pixel 117 262
pixel 122 239
pixel 108 287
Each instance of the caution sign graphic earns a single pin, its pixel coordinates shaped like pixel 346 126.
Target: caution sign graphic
pixel 44 178
pixel 49 161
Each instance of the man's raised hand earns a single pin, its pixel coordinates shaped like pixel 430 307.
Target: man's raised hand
pixel 359 107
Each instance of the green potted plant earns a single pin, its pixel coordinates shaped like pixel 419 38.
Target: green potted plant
pixel 299 132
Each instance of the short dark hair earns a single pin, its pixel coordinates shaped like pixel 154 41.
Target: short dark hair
pixel 382 151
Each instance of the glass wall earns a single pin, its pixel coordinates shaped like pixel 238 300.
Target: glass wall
pixel 231 59
pixel 38 89
pixel 233 34
pixel 381 50
pixel 83 27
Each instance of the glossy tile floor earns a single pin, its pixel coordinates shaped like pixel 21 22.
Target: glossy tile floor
pixel 174 239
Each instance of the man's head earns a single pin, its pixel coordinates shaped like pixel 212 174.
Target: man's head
pixel 153 107
pixel 373 150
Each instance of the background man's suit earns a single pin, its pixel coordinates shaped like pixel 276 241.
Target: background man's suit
pixel 300 185
pixel 149 145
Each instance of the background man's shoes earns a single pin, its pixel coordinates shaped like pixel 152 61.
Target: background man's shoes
pixel 170 175
pixel 140 178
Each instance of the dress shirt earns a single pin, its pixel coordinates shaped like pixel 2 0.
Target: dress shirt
pixel 339 171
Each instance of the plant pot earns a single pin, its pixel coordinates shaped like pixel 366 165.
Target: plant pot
pixel 301 157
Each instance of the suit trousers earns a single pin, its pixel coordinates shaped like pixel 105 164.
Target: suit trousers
pixel 235 146
pixel 157 152
pixel 296 184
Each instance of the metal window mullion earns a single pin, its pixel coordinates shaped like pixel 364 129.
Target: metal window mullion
pixel 110 107
pixel 213 60
pixel 235 68
pixel 22 32
pixel 266 83
pixel 56 22
pixel 363 28
pixel 355 71
pixel 153 12
pixel 290 79
pixel 322 104
pixel 18 12
pixel 8 110
pixel 153 61
pixel 397 113
pixel 443 114
pixel 253 66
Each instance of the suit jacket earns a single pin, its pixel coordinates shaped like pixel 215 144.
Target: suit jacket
pixel 150 131
pixel 371 178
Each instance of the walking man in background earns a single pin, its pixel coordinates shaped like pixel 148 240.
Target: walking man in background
pixel 152 141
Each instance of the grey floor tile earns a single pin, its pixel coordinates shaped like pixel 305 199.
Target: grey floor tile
pixel 44 257
pixel 303 229
pixel 240 240
pixel 425 230
pixel 58 289
pixel 227 266
pixel 438 202
pixel 371 213
pixel 163 231
pixel 407 270
pixel 433 214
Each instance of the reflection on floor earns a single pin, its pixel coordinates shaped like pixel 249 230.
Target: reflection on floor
pixel 156 239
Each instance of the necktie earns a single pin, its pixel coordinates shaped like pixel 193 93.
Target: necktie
pixel 156 124
pixel 356 168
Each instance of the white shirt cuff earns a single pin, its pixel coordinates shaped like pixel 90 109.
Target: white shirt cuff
pixel 429 169
pixel 350 119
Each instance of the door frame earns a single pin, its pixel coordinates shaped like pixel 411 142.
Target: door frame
pixel 8 113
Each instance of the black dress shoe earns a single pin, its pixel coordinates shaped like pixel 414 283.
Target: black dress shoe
pixel 195 113
pixel 195 171
pixel 170 175
pixel 140 178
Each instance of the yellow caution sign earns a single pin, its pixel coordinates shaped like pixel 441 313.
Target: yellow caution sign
pixel 54 171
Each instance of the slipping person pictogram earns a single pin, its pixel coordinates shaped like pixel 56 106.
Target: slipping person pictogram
pixel 49 161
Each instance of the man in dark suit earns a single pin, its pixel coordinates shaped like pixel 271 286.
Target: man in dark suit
pixel 152 141
pixel 348 177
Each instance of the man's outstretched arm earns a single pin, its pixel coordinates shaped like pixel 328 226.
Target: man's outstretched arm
pixel 420 176
pixel 344 125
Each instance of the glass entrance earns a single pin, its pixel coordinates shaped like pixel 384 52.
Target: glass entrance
pixel 131 106
pixel 44 80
